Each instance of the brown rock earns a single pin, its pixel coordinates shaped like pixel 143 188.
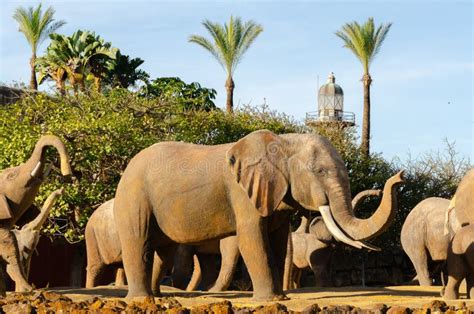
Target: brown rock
pixel 15 308
pixel 178 310
pixel 398 310
pixel 271 309
pixel 311 309
pixel 436 305
pixel 96 305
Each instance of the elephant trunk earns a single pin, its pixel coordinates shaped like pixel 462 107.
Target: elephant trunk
pixel 363 229
pixel 36 161
pixel 38 222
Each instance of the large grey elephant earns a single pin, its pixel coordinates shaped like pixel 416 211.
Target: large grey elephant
pixel 18 188
pixel 313 244
pixel 423 235
pixel 177 193
pixel 29 234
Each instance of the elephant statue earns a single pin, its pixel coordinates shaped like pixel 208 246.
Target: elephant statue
pixel 460 263
pixel 423 237
pixel 461 250
pixel 29 235
pixel 103 250
pixel 175 193
pixel 18 188
pixel 103 245
pixel 313 245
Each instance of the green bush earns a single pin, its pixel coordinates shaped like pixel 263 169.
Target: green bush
pixel 103 132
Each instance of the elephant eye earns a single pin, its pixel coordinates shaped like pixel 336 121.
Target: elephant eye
pixel 12 175
pixel 322 171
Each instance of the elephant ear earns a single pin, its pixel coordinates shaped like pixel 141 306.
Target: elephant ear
pixel 5 211
pixel 259 164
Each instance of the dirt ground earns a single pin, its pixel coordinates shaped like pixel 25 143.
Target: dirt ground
pixel 364 298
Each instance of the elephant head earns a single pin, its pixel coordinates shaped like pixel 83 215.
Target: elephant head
pixel 463 202
pixel 28 236
pixel 305 171
pixel 19 185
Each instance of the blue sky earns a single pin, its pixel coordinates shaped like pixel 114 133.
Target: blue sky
pixel 423 75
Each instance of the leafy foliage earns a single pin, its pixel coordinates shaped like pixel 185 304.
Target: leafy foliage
pixel 123 71
pixel 186 96
pixel 83 55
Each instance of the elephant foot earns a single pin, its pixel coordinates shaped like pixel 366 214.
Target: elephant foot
pixel 24 288
pixel 450 295
pixel 270 298
pixel 135 295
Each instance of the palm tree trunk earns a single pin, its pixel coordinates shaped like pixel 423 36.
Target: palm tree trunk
pixel 33 82
pixel 60 86
pixel 365 145
pixel 229 84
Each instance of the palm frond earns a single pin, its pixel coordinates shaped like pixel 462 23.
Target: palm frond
pixel 363 40
pixel 229 42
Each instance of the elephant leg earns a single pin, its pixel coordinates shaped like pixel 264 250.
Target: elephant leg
pixel 230 256
pixel 297 283
pixel 9 252
pixel 120 278
pixel 319 263
pixel 94 272
pixel 279 244
pixel 3 284
pixel 470 285
pixel 197 275
pixel 208 270
pixel 162 262
pixel 182 269
pixel 252 236
pixel 288 268
pixel 456 274
pixel 419 259
pixel 134 224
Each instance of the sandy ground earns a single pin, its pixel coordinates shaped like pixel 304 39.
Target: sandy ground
pixel 364 298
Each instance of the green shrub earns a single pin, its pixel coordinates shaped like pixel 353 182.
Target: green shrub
pixel 103 132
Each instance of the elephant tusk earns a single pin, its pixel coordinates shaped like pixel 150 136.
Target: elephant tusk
pixel 339 234
pixel 35 172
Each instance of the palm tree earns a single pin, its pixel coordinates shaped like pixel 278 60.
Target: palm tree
pixel 230 42
pixel 51 67
pixel 83 54
pixel 365 42
pixel 36 27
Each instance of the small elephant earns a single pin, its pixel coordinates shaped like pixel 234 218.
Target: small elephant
pixel 423 236
pixel 18 188
pixel 103 245
pixel 29 235
pixel 175 193
pixel 461 263
pixel 313 245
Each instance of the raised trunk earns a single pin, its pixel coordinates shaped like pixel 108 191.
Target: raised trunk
pixel 363 229
pixel 362 196
pixel 229 84
pixel 365 145
pixel 38 222
pixel 36 161
pixel 33 81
